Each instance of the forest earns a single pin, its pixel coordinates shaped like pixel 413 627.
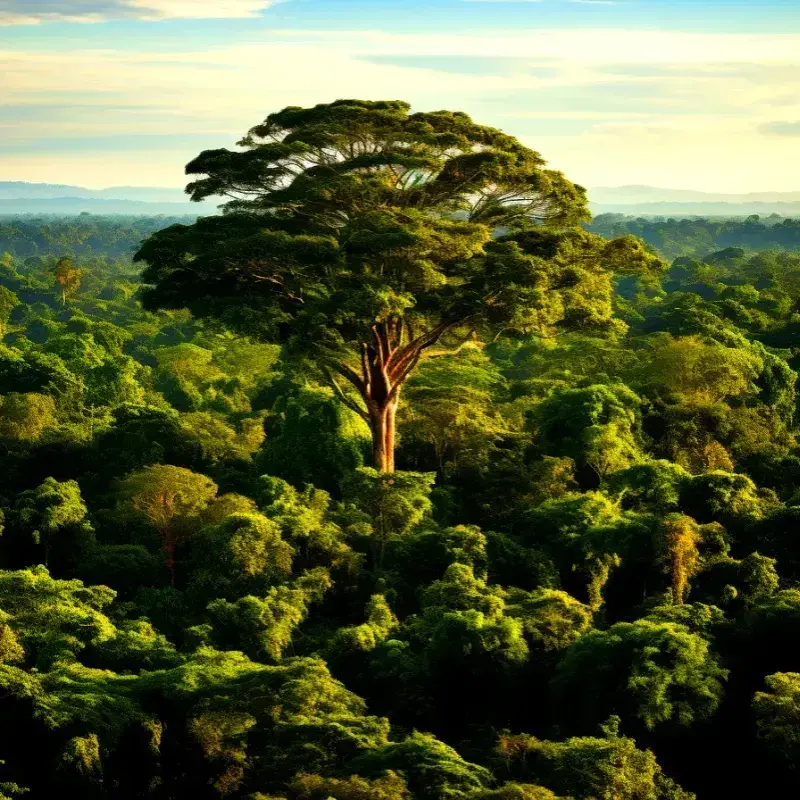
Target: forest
pixel 695 237
pixel 400 479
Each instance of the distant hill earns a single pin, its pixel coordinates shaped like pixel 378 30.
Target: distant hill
pixel 17 197
pixel 697 209
pixel 631 195
pixel 655 201
pixel 79 205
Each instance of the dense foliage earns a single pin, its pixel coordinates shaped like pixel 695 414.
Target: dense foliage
pixel 698 236
pixel 362 236
pixel 86 235
pixel 580 582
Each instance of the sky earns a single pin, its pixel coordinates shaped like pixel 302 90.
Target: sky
pixel 688 94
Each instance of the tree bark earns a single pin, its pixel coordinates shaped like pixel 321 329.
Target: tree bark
pixel 386 363
pixel 391 422
pixel 382 421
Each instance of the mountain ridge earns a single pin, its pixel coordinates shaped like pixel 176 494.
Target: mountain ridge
pixel 23 197
pixel 15 190
pixel 635 194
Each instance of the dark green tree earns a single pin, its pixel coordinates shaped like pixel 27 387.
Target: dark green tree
pixel 650 671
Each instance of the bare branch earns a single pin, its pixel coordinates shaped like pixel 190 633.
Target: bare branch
pixel 416 346
pixel 406 371
pixel 462 344
pixel 348 401
pixel 350 374
pixel 380 350
pixel 365 366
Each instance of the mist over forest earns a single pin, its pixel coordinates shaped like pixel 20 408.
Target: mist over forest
pixel 401 478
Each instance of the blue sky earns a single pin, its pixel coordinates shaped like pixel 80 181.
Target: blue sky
pixel 686 93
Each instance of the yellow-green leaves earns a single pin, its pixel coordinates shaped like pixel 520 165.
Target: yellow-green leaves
pixel 678 551
pixel 26 417
pixel 588 768
pixel 657 672
pixel 777 714
pixel 162 494
pixel 53 620
pixel 67 278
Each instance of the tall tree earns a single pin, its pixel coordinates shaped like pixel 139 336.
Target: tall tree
pixel 170 499
pixel 363 237
pixel 67 277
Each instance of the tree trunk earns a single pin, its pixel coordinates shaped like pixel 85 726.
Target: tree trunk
pixel 386 363
pixel 382 421
pixel 169 543
pixel 391 423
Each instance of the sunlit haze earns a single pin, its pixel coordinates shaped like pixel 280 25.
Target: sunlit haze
pixel 675 94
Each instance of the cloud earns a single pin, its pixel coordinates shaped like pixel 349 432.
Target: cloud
pixel 31 12
pixel 573 45
pixel 469 65
pixel 609 106
pixel 781 128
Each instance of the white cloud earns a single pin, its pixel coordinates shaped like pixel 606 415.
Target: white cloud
pixel 200 9
pixel 573 45
pixel 683 109
pixel 31 12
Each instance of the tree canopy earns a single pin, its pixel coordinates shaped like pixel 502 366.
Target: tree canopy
pixel 363 236
pixel 581 579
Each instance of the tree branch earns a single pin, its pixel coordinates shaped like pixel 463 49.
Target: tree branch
pixel 348 401
pixel 365 366
pixel 406 371
pixel 350 374
pixel 462 344
pixel 416 346
pixel 379 346
pixel 281 287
